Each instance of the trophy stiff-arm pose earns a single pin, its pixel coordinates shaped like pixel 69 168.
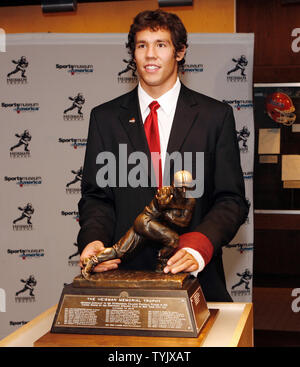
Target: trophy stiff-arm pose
pixel 171 205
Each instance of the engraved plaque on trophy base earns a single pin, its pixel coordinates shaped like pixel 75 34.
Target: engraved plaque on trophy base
pixel 132 303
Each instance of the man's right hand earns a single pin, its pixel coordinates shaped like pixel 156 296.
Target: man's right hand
pixel 92 249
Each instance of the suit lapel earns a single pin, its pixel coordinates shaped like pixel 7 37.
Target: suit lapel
pixel 131 119
pixel 184 118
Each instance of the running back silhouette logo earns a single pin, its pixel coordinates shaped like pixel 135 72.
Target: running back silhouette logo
pixel 23 142
pixel 130 67
pixel 74 254
pixel 26 214
pixel 242 137
pixel 28 288
pixel 238 70
pixel 19 71
pixel 243 283
pixel 77 104
pixel 77 178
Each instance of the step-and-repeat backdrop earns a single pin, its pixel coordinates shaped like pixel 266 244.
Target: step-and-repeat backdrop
pixel 48 85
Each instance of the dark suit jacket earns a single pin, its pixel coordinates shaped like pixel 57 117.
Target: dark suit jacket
pixel 201 124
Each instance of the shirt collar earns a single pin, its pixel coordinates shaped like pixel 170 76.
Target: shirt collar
pixel 167 101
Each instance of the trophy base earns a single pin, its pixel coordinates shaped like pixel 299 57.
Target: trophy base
pixel 132 303
pixel 132 279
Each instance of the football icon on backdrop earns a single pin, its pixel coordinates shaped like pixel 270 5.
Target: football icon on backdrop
pixel 131 77
pixel 280 108
pixel 240 65
pixel 29 286
pixel 77 178
pixel 242 137
pixel 131 65
pixel 78 102
pixel 21 67
pixel 26 214
pixel 76 254
pixel 24 139
pixel 245 278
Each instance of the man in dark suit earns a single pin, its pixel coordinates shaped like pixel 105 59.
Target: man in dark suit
pixel 188 122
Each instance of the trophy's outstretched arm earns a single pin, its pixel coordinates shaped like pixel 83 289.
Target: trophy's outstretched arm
pixel 89 263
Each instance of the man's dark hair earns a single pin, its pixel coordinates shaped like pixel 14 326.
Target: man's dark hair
pixel 155 20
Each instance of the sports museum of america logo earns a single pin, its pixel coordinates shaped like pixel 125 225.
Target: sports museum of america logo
pixel 73 69
pixel 74 111
pixel 20 107
pixel 192 68
pixel 237 73
pixel 241 247
pixel 21 148
pixel 18 72
pixel 26 290
pixel 24 181
pixel 75 143
pixel 70 214
pixel 248 175
pixel 27 253
pixel 23 221
pixel 239 104
pixel 75 180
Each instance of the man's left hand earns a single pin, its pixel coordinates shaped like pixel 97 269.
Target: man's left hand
pixel 181 261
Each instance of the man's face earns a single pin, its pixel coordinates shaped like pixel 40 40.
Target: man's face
pixel 156 61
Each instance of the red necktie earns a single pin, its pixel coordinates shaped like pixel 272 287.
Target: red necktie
pixel 152 134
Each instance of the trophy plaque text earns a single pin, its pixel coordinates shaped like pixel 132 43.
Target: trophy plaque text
pixel 132 303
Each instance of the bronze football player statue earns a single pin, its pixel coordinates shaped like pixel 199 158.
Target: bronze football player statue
pixel 171 205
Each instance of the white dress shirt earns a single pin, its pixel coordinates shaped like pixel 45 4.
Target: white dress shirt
pixel 165 115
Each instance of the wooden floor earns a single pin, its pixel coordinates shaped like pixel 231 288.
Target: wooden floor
pixel 275 323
